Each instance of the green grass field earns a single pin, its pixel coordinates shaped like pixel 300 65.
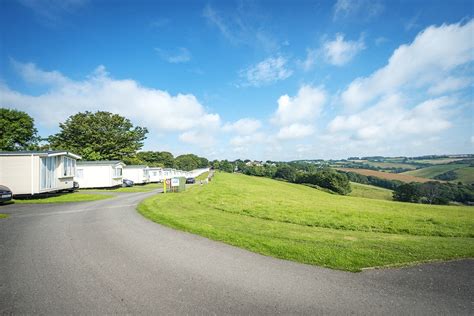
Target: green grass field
pixel 433 171
pixel 299 223
pixel 370 192
pixel 3 216
pixel 464 172
pixel 66 198
pixel 465 175
pixel 202 176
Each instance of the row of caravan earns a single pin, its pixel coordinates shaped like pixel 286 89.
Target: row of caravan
pixel 103 174
pixel 36 172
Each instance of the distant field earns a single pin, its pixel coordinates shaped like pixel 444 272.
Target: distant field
pixel 465 175
pixel 433 171
pixel 384 165
pixel 370 192
pixel 439 161
pixel 303 224
pixel 387 175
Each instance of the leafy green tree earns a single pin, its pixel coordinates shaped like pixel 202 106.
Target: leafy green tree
pixel 17 130
pixel 187 162
pixel 286 172
pixel 407 192
pixel 100 135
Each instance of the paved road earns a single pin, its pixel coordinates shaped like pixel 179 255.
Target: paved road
pixel 103 257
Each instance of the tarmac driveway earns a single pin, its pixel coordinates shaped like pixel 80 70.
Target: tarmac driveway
pixel 103 257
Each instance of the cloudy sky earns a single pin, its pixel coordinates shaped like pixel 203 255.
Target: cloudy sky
pixel 277 80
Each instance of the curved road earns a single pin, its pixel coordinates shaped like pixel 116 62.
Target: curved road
pixel 103 257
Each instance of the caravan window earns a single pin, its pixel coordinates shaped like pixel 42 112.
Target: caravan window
pixel 117 172
pixel 69 167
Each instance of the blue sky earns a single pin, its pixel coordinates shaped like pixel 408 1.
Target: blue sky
pixel 276 80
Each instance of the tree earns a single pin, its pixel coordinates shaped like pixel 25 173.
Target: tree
pixel 407 192
pixel 98 136
pixel 187 162
pixel 17 130
pixel 286 172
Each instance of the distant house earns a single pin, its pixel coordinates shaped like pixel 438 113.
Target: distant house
pixel 137 173
pixel 35 172
pixel 99 174
pixel 155 174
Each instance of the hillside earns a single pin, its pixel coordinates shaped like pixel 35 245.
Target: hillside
pixel 370 192
pixel 299 223
pixel 465 174
pixel 387 175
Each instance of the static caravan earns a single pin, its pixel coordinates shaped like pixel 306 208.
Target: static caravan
pixel 137 173
pixel 35 172
pixel 99 174
pixel 156 174
pixel 167 173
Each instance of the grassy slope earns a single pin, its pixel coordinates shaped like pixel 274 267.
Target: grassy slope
pixel 464 172
pixel 298 223
pixel 66 198
pixel 370 192
pixel 465 175
pixel 387 175
pixel 430 172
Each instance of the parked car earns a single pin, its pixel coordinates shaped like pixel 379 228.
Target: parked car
pixel 190 180
pixel 127 183
pixel 5 194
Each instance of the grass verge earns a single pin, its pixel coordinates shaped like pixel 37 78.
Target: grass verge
pixel 65 198
pixel 3 216
pixel 202 176
pixel 298 223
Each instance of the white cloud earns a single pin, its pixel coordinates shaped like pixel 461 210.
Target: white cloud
pixel 243 141
pixel 357 8
pixel 295 130
pixel 245 126
pixel 244 25
pixel 200 138
pixel 153 108
pixel 266 72
pixel 339 52
pixel 388 120
pixel 310 61
pixel 180 55
pixel 426 61
pixel 449 84
pixel 304 107
pixel 31 74
pixel 52 11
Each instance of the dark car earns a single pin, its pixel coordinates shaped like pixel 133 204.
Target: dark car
pixel 5 194
pixel 127 183
pixel 190 180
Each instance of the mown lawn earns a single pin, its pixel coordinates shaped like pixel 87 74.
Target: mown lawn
pixel 303 224
pixel 370 192
pixel 65 198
